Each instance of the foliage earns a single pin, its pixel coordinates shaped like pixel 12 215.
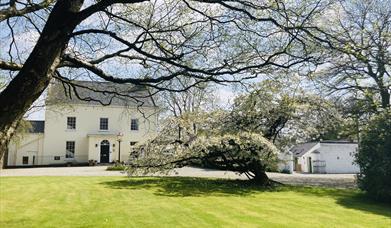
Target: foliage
pixel 116 168
pixel 356 50
pixel 374 158
pixel 286 115
pixel 286 171
pixel 242 152
pixel 22 129
pixel 272 113
pixel 152 44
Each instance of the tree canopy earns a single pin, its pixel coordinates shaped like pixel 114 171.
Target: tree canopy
pixel 146 43
pixel 356 53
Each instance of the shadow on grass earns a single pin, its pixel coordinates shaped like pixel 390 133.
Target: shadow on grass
pixel 188 186
pixel 349 198
pixel 200 187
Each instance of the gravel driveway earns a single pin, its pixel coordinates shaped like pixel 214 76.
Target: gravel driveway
pixel 328 180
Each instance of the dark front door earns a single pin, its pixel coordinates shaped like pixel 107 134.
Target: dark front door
pixel 104 151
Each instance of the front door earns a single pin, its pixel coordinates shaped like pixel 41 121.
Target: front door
pixel 104 151
pixel 309 164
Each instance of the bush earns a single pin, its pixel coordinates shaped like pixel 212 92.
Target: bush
pixel 374 158
pixel 116 168
pixel 286 171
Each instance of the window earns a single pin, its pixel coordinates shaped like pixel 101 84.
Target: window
pixel 133 143
pixel 25 160
pixel 104 124
pixel 70 149
pixel 134 124
pixel 71 123
pixel 56 158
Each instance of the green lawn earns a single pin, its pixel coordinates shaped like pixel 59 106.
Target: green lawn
pixel 179 202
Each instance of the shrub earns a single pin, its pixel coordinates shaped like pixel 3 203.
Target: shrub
pixel 116 168
pixel 374 158
pixel 286 171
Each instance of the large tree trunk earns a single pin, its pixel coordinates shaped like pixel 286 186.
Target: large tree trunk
pixel 37 71
pixel 259 172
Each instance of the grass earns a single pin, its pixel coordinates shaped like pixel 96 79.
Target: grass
pixel 179 202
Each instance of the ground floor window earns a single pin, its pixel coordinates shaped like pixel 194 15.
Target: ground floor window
pixel 25 160
pixel 70 149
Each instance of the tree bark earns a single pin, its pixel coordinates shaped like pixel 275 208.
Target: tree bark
pixel 37 71
pixel 259 172
pixel 261 179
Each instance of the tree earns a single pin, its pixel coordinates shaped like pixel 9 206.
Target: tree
pixel 286 114
pixel 195 99
pixel 242 152
pixel 357 50
pixel 244 139
pixel 374 157
pixel 145 43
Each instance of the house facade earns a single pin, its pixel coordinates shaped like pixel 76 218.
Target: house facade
pixel 325 157
pixel 102 127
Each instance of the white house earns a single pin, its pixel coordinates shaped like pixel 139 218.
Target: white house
pixel 325 157
pixel 79 131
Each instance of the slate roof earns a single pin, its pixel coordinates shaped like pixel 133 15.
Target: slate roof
pixel 107 93
pixel 37 126
pixel 301 149
pixel 339 141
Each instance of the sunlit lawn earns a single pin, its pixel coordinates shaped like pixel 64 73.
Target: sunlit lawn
pixel 179 202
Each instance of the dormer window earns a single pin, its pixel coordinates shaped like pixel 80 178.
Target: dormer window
pixel 104 124
pixel 134 124
pixel 71 123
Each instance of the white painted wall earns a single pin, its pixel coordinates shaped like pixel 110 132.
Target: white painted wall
pixel 87 123
pixel 30 145
pixel 339 157
pixel 303 160
pixel 87 136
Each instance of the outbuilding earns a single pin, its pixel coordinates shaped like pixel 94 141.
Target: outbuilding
pixel 325 157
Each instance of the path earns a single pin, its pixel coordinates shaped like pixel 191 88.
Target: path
pixel 329 180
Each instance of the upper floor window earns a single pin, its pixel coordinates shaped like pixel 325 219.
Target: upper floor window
pixel 70 149
pixel 71 123
pixel 134 124
pixel 133 143
pixel 104 124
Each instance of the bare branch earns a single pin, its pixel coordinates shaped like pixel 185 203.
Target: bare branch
pixel 12 11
